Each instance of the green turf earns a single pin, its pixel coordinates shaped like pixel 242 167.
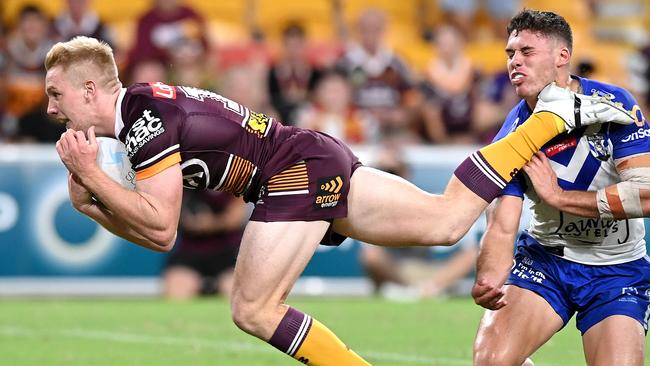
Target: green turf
pixel 153 332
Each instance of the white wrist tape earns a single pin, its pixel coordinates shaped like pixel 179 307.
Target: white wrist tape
pixel 623 200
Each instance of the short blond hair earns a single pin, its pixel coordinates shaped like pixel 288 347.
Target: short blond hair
pixel 86 54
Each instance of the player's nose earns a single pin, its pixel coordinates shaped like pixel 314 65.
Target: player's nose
pixel 52 109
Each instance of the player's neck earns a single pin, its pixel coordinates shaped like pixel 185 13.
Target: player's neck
pixel 106 114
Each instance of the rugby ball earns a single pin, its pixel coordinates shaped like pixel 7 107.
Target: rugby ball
pixel 113 160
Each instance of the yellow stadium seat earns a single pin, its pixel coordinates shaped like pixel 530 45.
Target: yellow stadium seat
pixel 488 57
pixel 403 11
pixel 10 8
pixel 120 11
pixel 273 15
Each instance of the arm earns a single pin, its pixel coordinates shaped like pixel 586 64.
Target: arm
pixel 496 252
pixel 147 216
pixel 627 199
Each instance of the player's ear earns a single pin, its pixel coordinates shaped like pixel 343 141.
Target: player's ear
pixel 90 88
pixel 564 57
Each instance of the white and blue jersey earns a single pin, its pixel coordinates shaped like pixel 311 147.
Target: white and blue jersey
pixel 585 160
pixel 594 267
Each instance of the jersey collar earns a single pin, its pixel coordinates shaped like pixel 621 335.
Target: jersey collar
pixel 119 122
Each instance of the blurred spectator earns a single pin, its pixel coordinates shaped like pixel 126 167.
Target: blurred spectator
pixel 496 98
pixel 3 78
pixel 417 272
pixel 333 112
pixel 450 86
pixel 147 71
pixel 381 80
pixel 161 28
pixel 27 46
pixel 37 126
pixel 463 13
pixel 245 84
pixel 291 77
pixel 190 66
pixel 79 20
pixel 210 230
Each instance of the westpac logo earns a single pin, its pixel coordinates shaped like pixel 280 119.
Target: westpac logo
pixel 328 194
pixel 637 135
pixel 143 130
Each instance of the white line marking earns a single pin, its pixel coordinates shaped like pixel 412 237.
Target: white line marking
pixel 122 337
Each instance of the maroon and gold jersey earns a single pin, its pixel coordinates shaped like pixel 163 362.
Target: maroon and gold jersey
pixel 220 144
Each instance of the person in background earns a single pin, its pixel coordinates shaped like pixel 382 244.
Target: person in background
pixel 27 46
pixel 210 230
pixel 332 111
pixel 292 76
pixel 463 13
pixel 450 88
pixel 160 29
pixel 190 65
pixel 147 71
pixel 380 79
pixel 80 20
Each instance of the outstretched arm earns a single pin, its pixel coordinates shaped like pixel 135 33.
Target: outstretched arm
pixel 625 200
pixel 496 252
pixel 147 216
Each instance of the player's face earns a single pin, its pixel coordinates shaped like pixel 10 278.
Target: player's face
pixel 65 101
pixel 532 62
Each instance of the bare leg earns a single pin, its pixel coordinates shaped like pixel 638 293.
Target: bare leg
pixel 387 210
pixel 508 335
pixel 618 340
pixel 271 257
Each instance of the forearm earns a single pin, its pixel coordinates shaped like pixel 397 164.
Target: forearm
pixel 135 216
pixel 117 226
pixel 578 203
pixel 495 257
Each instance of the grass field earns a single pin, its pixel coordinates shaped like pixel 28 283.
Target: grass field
pixel 153 332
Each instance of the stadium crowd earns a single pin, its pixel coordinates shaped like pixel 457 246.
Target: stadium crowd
pixel 423 72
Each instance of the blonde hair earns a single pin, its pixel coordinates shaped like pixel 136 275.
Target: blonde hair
pixel 90 57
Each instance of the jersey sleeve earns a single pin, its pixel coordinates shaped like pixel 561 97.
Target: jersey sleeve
pixel 152 137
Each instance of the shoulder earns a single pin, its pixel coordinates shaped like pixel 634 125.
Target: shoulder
pixel 518 114
pixel 615 93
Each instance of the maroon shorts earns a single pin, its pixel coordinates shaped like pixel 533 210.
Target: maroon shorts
pixel 314 188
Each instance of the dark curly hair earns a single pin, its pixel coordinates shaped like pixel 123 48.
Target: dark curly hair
pixel 545 22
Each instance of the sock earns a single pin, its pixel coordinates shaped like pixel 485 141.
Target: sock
pixel 310 342
pixel 487 171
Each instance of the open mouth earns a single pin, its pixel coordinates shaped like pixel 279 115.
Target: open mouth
pixel 517 78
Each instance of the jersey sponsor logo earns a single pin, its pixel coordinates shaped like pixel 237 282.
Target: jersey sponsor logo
pixel 145 129
pixel 329 192
pixel 588 228
pixel 637 135
pixel 599 147
pixel 161 90
pixel 562 146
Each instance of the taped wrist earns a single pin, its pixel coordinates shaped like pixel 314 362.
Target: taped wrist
pixel 619 201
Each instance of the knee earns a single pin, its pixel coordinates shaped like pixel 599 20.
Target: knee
pixel 444 235
pixel 247 315
pixel 494 356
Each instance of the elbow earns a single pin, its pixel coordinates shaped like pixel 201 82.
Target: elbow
pixel 163 241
